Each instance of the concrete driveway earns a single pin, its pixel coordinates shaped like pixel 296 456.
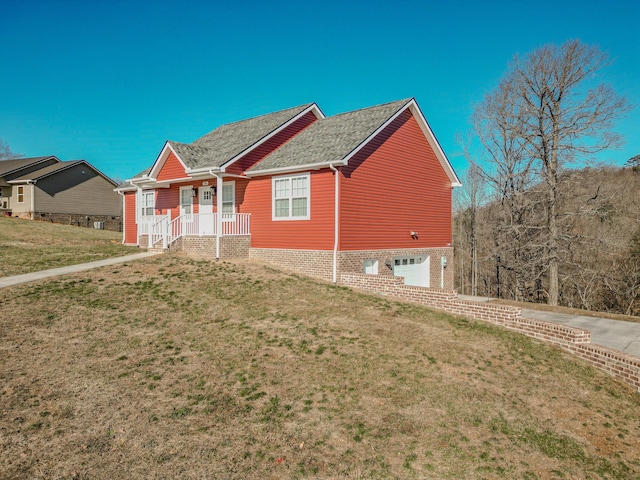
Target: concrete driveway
pixel 618 334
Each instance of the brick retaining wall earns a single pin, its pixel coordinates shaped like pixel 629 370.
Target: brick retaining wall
pixel 574 340
pixel 111 222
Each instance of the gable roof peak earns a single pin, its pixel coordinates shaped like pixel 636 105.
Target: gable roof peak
pixel 387 105
pixel 227 142
pixel 287 112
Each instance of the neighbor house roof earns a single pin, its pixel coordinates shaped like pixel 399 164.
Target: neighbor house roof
pixel 8 167
pixel 56 168
pixel 330 139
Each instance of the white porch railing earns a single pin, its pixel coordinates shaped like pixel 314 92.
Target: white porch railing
pixel 160 229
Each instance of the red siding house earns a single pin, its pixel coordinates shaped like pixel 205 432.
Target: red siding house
pixel 367 191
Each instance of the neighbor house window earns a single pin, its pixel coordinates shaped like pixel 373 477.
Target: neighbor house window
pixel 291 197
pixel 20 194
pixel 147 203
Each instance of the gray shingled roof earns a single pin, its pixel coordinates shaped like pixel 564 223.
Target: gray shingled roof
pixel 330 139
pixel 221 145
pixel 49 169
pixel 7 166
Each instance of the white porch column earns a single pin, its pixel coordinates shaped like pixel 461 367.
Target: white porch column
pixel 218 214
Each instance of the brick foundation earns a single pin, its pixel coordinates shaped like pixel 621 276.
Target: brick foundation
pixel 230 247
pixel 574 340
pixel 315 263
pixel 319 263
pixel 353 262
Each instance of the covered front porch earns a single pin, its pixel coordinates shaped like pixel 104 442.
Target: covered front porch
pixel 161 231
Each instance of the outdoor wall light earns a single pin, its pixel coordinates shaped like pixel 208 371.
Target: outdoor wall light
pixel 214 189
pixel 194 192
pixel 414 235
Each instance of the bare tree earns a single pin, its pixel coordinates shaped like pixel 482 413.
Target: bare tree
pixel 544 116
pixel 468 200
pixel 509 172
pixel 6 153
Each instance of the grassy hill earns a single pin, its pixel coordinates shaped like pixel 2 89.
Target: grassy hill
pixel 174 367
pixel 27 246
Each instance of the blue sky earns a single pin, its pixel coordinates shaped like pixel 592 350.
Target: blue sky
pixel 110 81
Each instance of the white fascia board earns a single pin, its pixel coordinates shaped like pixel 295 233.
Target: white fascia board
pixel 311 108
pixel 294 168
pixel 125 189
pixel 168 183
pixel 162 157
pixel 202 171
pixel 137 179
pixel 433 141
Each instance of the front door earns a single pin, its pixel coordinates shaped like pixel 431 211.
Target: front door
pixel 205 200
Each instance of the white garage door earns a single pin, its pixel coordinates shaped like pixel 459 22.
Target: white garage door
pixel 415 270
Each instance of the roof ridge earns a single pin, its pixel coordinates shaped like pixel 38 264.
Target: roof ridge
pixel 386 104
pixel 257 117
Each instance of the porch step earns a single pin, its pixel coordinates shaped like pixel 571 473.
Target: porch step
pixel 157 250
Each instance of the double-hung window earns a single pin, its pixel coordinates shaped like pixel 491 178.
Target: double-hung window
pixel 186 200
pixel 20 194
pixel 291 197
pixel 147 203
pixel 228 200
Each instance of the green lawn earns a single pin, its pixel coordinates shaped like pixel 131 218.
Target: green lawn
pixel 173 367
pixel 27 246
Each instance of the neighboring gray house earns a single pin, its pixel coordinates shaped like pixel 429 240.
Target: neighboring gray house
pixel 73 192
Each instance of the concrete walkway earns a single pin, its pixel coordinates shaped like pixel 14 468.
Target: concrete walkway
pixel 618 334
pixel 54 272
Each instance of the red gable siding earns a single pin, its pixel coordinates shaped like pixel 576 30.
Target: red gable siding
pixel 313 234
pixel 394 186
pixel 171 169
pixel 130 227
pixel 254 156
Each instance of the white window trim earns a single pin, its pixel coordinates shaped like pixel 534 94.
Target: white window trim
pixel 370 264
pixel 143 194
pixel 188 187
pixel 18 194
pixel 307 175
pixel 229 216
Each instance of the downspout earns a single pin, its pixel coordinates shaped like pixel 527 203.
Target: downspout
pixel 336 225
pixel 33 199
